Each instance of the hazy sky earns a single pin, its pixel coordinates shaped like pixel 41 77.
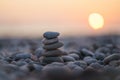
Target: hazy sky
pixel 33 17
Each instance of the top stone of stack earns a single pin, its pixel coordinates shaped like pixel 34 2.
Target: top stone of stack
pixel 51 35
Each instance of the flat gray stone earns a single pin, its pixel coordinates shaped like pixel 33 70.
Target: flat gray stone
pixel 51 35
pixel 53 46
pixel 49 60
pixel 111 58
pixel 53 53
pixel 49 41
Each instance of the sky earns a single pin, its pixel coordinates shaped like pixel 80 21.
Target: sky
pixel 69 17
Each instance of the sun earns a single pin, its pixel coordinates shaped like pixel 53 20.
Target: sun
pixel 96 21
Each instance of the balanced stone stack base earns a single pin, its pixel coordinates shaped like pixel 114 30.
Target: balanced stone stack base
pixel 51 46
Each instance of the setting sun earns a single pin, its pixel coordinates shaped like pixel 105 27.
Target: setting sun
pixel 96 21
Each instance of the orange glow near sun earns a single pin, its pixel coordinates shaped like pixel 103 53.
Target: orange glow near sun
pixel 96 21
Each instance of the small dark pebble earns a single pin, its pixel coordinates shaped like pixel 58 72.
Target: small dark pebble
pixel 86 52
pixel 67 58
pixel 21 56
pixel 81 63
pixel 75 56
pixel 97 66
pixel 103 50
pixel 71 65
pixel 75 52
pixel 99 56
pixel 38 52
pixel 111 58
pixel 89 60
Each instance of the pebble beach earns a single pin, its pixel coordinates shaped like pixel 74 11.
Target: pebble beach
pixel 55 58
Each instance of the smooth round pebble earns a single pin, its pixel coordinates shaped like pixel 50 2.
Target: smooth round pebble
pixel 102 50
pixel 28 60
pixel 86 52
pixel 38 52
pixel 89 60
pixel 51 35
pixel 75 52
pixel 97 66
pixel 81 63
pixel 99 56
pixel 111 58
pixel 75 56
pixel 100 62
pixel 67 58
pixel 38 67
pixel 71 65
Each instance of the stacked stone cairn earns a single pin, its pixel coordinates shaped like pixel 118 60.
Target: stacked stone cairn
pixel 51 45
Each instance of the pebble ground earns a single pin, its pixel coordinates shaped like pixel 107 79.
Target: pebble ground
pixel 87 58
